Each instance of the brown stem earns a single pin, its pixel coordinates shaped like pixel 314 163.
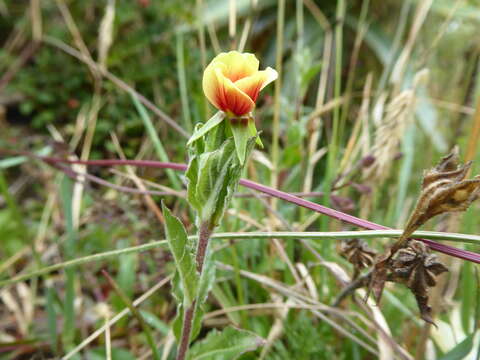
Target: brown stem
pixel 359 282
pixel 203 236
pixel 186 331
pixel 204 233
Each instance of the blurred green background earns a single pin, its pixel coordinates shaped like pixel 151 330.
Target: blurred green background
pixel 372 92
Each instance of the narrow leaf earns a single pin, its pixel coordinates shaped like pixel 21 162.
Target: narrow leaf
pixel 157 143
pixel 254 133
pixel 461 350
pixel 209 125
pixel 181 249
pixel 228 344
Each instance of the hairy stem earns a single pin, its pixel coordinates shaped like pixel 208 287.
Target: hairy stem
pixel 186 331
pixel 204 233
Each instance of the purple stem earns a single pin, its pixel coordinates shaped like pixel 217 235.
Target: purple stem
pixel 446 249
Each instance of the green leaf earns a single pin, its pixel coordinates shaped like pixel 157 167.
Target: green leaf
pixel 205 284
pixel 212 179
pixel 18 160
pixel 254 132
pixel 155 322
pixel 461 350
pixel 228 344
pixel 241 134
pixel 157 143
pixel 117 354
pixel 209 125
pixel 181 249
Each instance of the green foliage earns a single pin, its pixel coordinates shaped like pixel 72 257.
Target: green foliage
pixel 213 177
pixel 183 252
pixel 461 350
pixel 304 340
pixel 228 344
pixel 157 50
pixel 202 130
pixel 117 354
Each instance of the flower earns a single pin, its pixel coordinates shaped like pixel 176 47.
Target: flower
pixel 232 82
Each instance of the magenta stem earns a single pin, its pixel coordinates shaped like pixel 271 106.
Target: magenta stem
pixel 350 219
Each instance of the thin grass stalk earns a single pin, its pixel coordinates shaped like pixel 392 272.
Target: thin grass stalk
pixel 135 312
pixel 117 81
pixel 474 137
pixel 321 91
pixel 203 48
pixel 460 253
pixel 275 156
pixel 337 120
pixel 287 235
pixel 182 80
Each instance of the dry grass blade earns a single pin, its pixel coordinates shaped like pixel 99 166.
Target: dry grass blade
pixel 304 300
pixel 114 319
pixel 105 37
pixel 421 13
pixel 148 199
pixel 117 81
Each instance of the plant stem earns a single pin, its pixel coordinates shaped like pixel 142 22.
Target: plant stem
pixel 446 249
pixel 204 232
pixel 186 331
pixel 277 103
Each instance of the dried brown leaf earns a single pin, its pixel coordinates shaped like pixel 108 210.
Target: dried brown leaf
pixel 358 253
pixel 417 268
pixel 444 189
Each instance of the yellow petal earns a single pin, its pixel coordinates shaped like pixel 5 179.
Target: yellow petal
pixel 253 84
pixel 230 98
pixel 237 65
pixel 210 84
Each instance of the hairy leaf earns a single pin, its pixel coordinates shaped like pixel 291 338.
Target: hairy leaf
pixel 228 344
pixel 209 125
pixel 181 249
pixel 241 134
pixel 212 179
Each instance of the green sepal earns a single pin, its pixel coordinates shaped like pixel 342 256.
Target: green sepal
pixel 241 134
pixel 254 132
pixel 209 125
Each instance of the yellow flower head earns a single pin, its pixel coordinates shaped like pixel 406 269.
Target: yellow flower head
pixel 232 82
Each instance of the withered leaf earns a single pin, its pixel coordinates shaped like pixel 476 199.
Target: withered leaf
pixel 444 189
pixel 358 253
pixel 379 276
pixel 417 268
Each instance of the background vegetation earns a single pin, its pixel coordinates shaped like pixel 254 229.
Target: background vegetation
pixel 371 93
